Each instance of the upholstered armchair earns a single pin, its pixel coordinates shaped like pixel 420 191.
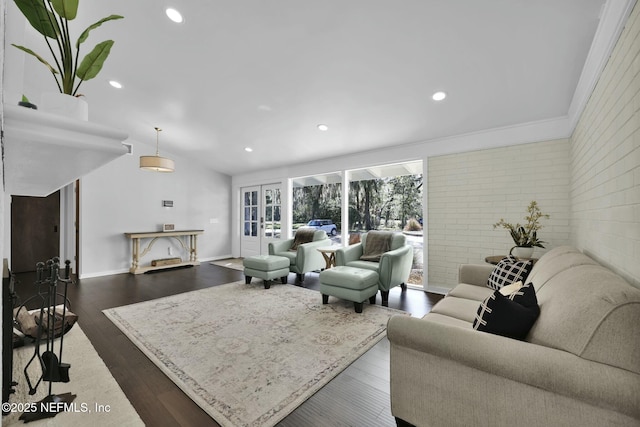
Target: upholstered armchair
pixel 393 266
pixel 302 251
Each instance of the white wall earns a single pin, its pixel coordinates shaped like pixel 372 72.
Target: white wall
pixel 605 162
pixel 119 198
pixel 2 199
pixel 469 192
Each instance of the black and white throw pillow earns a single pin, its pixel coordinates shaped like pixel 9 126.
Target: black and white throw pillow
pixel 509 270
pixel 510 316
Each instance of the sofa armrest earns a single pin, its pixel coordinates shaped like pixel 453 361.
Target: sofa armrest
pixel 395 267
pixel 554 371
pixel 280 246
pixel 474 274
pixel 349 254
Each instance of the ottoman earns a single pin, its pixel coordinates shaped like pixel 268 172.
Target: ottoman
pixel 267 268
pixel 350 283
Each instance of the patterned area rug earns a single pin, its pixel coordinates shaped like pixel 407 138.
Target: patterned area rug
pixel 233 263
pixel 249 356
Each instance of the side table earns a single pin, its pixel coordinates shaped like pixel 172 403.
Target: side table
pixel 495 259
pixel 329 255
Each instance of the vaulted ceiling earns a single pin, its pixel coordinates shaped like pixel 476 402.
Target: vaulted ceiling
pixel 264 74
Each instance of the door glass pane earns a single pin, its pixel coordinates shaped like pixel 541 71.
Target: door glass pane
pixel 254 213
pixel 277 196
pixel 247 214
pixel 254 229
pixel 268 198
pixel 247 228
pixel 276 213
pixel 268 214
pixel 247 198
pixel 254 198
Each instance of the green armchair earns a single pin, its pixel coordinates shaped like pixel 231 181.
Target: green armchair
pixel 393 268
pixel 306 257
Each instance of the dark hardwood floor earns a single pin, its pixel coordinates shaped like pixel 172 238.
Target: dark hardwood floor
pixel 359 396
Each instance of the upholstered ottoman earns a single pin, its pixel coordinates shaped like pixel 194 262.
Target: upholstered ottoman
pixel 350 283
pixel 267 268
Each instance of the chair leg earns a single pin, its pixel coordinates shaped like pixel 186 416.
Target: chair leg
pixel 403 286
pixel 385 298
pixel 325 299
pixel 247 280
pixel 358 307
pixel 372 300
pixel 267 284
pixel 300 277
pixel 284 279
pixel 402 423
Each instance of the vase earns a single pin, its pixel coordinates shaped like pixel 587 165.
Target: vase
pixel 64 105
pixel 521 251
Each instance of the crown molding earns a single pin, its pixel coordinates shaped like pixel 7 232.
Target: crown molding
pixel 613 17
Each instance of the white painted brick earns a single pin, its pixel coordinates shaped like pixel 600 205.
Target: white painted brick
pixel 605 164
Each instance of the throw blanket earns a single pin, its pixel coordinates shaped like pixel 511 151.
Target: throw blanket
pixel 303 235
pixel 377 243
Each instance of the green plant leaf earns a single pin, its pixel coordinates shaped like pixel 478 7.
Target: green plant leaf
pixel 39 17
pixel 41 59
pixel 93 62
pixel 66 8
pixel 25 99
pixel 85 33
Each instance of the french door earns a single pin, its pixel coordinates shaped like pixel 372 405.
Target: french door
pixel 261 218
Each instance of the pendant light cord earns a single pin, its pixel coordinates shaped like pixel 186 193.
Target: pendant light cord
pixel 158 130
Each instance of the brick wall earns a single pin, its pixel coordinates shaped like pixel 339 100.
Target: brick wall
pixel 605 162
pixel 469 192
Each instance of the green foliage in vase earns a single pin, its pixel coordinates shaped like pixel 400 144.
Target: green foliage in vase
pixel 526 235
pixel 51 19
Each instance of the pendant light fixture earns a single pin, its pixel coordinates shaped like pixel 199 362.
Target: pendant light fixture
pixel 157 163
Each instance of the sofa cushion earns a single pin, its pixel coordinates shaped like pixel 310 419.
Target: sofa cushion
pixel 509 270
pixel 510 316
pixel 472 292
pixel 459 308
pixel 581 311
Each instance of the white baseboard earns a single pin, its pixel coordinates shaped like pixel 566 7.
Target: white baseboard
pixel 216 258
pixel 102 273
pixel 438 290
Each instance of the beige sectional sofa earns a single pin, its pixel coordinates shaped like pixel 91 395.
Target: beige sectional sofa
pixel 579 365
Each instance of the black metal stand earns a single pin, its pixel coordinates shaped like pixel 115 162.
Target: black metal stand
pixel 53 369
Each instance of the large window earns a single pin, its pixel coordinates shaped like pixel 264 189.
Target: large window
pixel 389 198
pixel 317 202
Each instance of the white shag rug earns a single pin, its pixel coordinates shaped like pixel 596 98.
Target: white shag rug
pixel 99 400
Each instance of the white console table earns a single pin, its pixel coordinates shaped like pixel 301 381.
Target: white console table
pixel 190 247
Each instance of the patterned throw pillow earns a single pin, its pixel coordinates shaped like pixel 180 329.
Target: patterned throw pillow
pixel 511 316
pixel 509 270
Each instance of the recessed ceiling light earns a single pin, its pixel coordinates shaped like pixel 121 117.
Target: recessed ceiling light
pixel 174 15
pixel 115 84
pixel 323 127
pixel 248 149
pixel 439 96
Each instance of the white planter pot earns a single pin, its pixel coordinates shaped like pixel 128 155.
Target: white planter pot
pixel 521 252
pixel 64 105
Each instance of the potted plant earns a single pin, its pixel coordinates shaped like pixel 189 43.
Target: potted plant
pixel 525 236
pixel 51 19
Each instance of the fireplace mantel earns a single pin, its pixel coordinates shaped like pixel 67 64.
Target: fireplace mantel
pixel 43 152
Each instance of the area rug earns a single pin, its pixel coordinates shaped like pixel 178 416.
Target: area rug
pixel 99 399
pixel 233 263
pixel 247 355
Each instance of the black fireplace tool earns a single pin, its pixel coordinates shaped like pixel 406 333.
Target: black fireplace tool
pixel 53 369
